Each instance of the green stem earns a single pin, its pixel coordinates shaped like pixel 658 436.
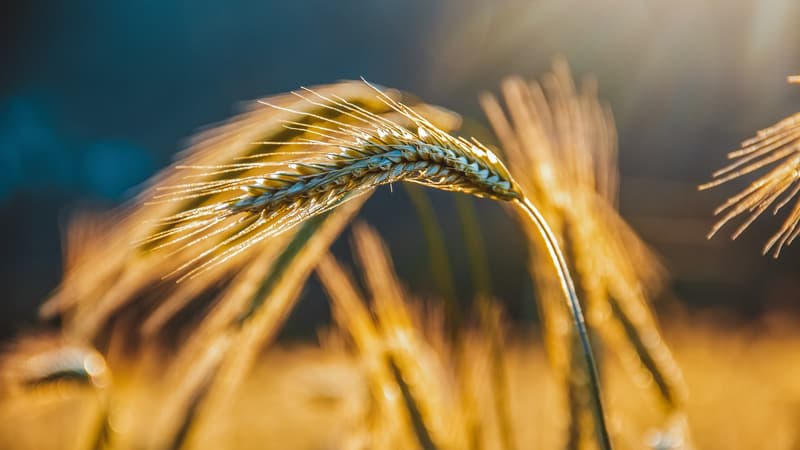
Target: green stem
pixel 568 288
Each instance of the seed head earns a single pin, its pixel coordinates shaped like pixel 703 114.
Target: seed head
pixel 268 193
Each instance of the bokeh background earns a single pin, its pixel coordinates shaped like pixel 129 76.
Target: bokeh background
pixel 97 95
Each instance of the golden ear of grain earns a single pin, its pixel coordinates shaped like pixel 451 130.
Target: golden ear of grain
pixel 261 196
pixel 118 258
pixel 777 146
pixel 109 271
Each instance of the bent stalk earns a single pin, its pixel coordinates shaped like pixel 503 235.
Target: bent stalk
pixel 568 288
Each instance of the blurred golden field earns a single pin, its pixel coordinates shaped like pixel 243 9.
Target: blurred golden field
pixel 744 395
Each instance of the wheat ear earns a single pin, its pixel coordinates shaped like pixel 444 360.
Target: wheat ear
pixel 105 273
pixel 366 153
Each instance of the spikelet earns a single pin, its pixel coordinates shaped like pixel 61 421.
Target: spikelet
pixel 256 199
pixel 779 144
pixel 111 271
pixel 561 148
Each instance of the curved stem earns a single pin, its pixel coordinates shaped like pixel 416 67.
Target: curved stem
pixel 568 287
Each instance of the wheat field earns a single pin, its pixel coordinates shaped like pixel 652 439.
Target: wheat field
pixel 305 387
pixel 170 313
